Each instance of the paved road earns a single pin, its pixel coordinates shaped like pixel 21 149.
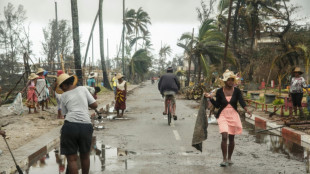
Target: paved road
pixel 154 147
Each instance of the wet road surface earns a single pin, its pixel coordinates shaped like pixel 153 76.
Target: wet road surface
pixel 146 144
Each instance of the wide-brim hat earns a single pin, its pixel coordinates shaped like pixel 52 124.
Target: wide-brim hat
pixel 227 75
pixel 32 76
pixel 92 75
pixel 297 69
pixel 40 70
pixel 119 75
pixel 63 77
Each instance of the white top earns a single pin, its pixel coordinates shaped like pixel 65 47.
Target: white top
pixel 74 104
pixel 121 86
pixel 297 85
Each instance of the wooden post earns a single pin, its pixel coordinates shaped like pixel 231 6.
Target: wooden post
pixel 62 63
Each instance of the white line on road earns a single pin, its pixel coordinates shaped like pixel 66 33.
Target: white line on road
pixel 176 134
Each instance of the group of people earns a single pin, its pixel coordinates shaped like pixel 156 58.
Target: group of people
pixel 38 90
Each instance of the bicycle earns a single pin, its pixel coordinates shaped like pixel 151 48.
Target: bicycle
pixel 169 107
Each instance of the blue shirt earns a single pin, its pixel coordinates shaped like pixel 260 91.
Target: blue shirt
pixel 91 82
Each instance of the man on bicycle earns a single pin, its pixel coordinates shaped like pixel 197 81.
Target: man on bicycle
pixel 168 86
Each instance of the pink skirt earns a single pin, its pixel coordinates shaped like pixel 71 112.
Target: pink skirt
pixel 229 121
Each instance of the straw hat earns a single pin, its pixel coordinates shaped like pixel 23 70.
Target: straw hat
pixel 297 69
pixel 228 74
pixel 119 75
pixel 40 70
pixel 91 75
pixel 32 76
pixel 61 79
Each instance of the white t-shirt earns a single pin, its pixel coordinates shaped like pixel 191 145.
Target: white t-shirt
pixel 74 104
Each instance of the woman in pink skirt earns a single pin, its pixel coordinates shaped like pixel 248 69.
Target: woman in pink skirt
pixel 228 118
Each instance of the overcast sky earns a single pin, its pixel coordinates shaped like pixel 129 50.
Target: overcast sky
pixel 170 18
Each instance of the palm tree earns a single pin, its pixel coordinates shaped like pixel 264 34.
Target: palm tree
pixel 208 45
pixel 163 52
pixel 76 41
pixel 142 19
pixel 103 65
pixel 140 63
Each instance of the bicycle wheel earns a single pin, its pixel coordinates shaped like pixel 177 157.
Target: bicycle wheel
pixel 169 115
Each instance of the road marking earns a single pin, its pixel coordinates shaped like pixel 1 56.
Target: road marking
pixel 176 134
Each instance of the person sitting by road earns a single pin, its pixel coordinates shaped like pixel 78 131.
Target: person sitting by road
pixel 168 86
pixel 32 98
pixel 228 118
pixel 91 80
pixel 296 90
pixel 76 133
pixel 40 86
pixel 121 93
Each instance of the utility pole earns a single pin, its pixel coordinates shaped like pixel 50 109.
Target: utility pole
pixel 123 39
pixel 57 38
pixel 227 36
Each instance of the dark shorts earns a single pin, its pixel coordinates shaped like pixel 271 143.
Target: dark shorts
pixel 75 137
pixel 296 99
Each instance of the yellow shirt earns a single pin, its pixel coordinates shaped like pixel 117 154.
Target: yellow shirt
pixel 114 81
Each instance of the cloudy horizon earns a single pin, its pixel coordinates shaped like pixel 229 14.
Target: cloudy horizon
pixel 170 18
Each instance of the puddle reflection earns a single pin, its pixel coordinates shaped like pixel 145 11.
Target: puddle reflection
pixel 102 158
pixel 279 144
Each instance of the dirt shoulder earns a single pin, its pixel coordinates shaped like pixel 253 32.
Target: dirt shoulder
pixel 21 129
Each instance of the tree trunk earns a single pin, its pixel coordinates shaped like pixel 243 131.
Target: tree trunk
pixel 104 70
pixel 76 41
pixel 90 38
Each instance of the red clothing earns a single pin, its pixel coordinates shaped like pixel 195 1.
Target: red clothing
pixel 120 103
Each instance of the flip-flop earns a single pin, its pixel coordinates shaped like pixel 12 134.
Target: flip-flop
pixel 230 162
pixel 224 164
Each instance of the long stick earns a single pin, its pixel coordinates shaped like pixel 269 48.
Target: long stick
pixel 227 36
pixel 270 129
pixel 17 167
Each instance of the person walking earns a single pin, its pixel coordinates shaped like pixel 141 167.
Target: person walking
pixel 121 93
pixel 227 117
pixel 77 131
pixel 40 86
pixel 296 90
pixel 91 80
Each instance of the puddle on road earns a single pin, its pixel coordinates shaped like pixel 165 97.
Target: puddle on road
pixel 102 158
pixel 278 144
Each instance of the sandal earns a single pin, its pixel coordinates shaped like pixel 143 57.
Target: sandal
pixel 224 164
pixel 230 162
pixel 164 113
